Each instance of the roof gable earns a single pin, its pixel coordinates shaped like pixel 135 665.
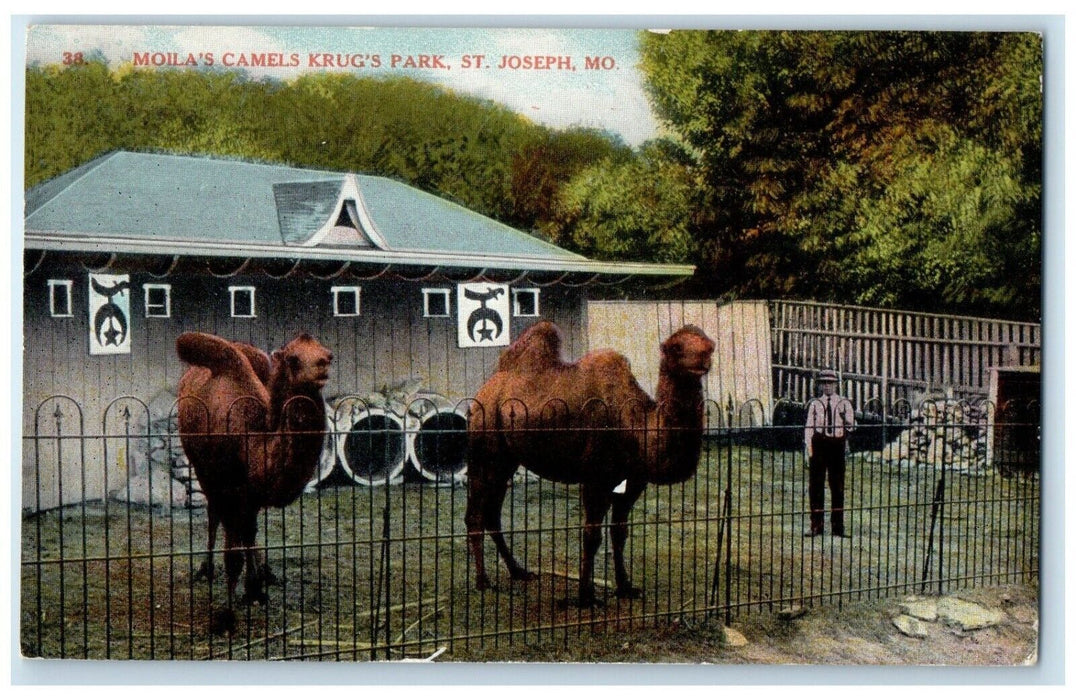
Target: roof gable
pixel 305 207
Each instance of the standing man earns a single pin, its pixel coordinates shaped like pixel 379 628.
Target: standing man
pixel 829 420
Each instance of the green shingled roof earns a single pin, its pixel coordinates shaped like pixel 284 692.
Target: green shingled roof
pixel 181 198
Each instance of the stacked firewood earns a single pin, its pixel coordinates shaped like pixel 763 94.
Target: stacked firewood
pixel 943 433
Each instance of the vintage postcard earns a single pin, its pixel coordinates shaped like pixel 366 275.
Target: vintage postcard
pixel 550 344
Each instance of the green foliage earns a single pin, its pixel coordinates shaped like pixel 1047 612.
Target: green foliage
pixel 962 241
pixel 637 209
pixel 71 116
pixel 891 168
pixel 473 151
pixel 547 160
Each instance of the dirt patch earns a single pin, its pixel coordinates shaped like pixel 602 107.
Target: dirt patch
pixel 852 634
pixel 865 634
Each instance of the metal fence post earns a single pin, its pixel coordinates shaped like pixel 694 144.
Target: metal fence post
pixel 382 588
pixel 59 416
pixel 946 456
pixel 728 514
pixel 936 511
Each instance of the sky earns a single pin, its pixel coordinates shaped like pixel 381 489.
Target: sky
pixel 566 94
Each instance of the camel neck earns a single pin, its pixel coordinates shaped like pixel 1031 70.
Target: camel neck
pixel 674 441
pixel 300 403
pixel 680 398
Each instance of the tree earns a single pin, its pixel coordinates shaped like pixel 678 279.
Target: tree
pixel 72 115
pixel 897 168
pixel 546 161
pixel 637 209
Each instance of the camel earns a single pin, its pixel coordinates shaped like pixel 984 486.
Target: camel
pixel 252 427
pixel 530 411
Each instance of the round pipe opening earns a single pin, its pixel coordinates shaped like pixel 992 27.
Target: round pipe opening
pixel 373 450
pixel 439 445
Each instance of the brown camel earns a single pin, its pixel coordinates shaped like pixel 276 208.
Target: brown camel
pixel 253 430
pixel 530 411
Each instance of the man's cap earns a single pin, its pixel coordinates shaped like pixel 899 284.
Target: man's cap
pixel 827 375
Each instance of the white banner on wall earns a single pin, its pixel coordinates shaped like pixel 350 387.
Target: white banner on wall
pixel 482 319
pixel 110 314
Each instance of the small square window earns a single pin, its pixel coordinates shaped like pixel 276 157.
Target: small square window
pixel 158 300
pixel 60 298
pixel 346 301
pixel 525 302
pixel 242 302
pixel 434 303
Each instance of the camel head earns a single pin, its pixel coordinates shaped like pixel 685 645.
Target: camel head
pixel 687 353
pixel 304 362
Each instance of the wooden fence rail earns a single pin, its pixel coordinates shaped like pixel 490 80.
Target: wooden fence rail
pixel 886 355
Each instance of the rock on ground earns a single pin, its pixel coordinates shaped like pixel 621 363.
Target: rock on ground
pixel 967 615
pixel 910 626
pixel 163 491
pixel 734 638
pixel 921 608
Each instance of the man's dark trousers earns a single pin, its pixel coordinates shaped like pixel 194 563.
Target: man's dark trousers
pixel 827 457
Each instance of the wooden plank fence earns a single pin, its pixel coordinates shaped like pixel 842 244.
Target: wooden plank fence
pixel 889 355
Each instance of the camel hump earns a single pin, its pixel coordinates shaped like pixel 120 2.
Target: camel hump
pixel 538 348
pixel 215 354
pixel 259 360
pixel 610 365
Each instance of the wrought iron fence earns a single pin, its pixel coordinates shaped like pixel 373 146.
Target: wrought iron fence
pixel 372 559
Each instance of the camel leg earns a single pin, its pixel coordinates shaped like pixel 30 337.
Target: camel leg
pixel 622 504
pixel 478 483
pixel 261 565
pixel 205 571
pixel 223 621
pixel 253 588
pixel 476 529
pixel 493 525
pixel 595 506
pixel 484 502
pixel 267 575
pixel 233 560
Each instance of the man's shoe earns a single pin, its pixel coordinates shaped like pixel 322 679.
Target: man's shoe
pixel 843 535
pixel 812 533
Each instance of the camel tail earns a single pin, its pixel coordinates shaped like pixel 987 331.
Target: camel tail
pixel 209 351
pixel 538 348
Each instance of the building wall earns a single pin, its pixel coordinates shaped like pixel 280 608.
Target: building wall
pixel 391 341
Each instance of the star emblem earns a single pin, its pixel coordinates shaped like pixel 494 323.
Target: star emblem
pixel 111 335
